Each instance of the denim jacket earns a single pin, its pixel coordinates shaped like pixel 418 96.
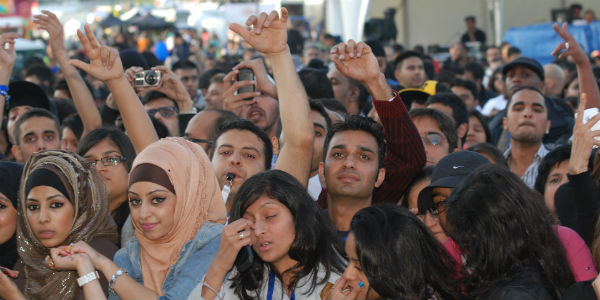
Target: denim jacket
pixel 193 262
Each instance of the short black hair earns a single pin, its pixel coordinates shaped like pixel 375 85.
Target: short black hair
pixel 184 64
pixel 553 158
pixel 316 83
pixel 40 71
pixel 224 116
pixel 470 18
pixel 513 50
pixel 243 124
pixel 529 88
pixel 116 136
pixel 459 109
pixel 404 55
pixel 492 151
pixel 153 95
pixel 334 105
pixel 34 112
pixel 62 85
pixel 376 48
pixel 73 122
pixel 359 123
pixel 476 70
pixel 318 107
pixel 295 41
pixel 207 75
pixel 467 84
pixel 444 122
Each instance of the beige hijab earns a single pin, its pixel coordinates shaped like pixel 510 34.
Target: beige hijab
pixel 198 201
pixel 91 219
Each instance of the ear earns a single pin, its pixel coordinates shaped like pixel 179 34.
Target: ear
pixel 275 143
pixel 397 75
pixel 322 174
pixel 504 123
pixel 380 177
pixel 16 152
pixel 548 125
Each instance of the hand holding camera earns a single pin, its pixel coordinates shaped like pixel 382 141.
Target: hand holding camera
pixel 162 79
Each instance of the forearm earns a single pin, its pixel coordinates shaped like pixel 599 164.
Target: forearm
pixel 379 88
pixel 214 278
pixel 82 97
pixel 296 122
pixel 136 121
pixel 125 286
pixel 92 289
pixel 587 84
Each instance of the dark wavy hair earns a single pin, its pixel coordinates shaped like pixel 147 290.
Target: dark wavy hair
pixel 316 242
pixel 552 159
pixel 504 229
pixel 399 255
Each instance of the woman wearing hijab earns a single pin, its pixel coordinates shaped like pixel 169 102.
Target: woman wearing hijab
pixel 61 201
pixel 178 215
pixel 10 176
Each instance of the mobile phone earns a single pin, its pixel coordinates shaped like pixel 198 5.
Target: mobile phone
pixel 245 74
pixel 244 259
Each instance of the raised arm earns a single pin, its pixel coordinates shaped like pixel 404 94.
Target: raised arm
pixel 8 56
pixel 82 98
pixel 587 81
pixel 105 64
pixel 270 37
pixel 405 155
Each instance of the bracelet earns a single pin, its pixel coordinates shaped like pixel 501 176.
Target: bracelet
pixel 91 276
pixel 204 283
pixel 113 279
pixel 3 90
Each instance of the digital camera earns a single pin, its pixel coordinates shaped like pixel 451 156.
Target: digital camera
pixel 147 78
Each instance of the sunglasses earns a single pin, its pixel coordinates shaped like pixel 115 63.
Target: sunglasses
pixel 165 112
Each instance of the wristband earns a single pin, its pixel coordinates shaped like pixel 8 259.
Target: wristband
pixel 91 276
pixel 113 279
pixel 3 90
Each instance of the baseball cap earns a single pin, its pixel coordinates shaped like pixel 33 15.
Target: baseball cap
pixel 26 93
pixel 526 62
pixel 420 95
pixel 450 172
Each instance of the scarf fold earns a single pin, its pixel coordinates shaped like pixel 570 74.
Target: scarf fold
pixel 91 219
pixel 198 200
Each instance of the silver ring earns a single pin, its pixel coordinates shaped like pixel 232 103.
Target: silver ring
pixel 566 45
pixel 241 235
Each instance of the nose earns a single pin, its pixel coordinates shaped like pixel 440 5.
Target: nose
pixel 430 220
pixel 350 274
pixel 41 145
pixel 349 162
pixel 43 216
pixel 259 228
pixel 235 159
pixel 144 211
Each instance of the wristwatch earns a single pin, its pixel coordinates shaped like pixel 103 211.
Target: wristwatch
pixel 81 281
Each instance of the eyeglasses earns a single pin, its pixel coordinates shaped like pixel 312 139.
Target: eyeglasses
pixel 433 139
pixel 165 112
pixel 197 141
pixel 436 209
pixel 107 161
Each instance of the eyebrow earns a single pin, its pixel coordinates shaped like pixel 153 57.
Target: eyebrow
pixel 47 198
pixel 319 125
pixel 149 193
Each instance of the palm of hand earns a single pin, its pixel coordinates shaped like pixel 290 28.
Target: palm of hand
pixel 264 41
pixel 104 72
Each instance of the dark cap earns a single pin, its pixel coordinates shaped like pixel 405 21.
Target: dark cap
pixel 450 172
pixel 26 93
pixel 526 62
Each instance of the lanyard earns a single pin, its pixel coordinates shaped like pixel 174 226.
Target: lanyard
pixel 272 286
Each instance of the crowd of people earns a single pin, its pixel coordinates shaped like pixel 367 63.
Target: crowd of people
pixel 354 170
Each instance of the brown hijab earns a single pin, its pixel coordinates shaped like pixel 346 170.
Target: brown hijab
pixel 91 219
pixel 198 200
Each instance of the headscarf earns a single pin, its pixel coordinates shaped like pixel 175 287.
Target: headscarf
pixel 91 219
pixel 198 200
pixel 10 176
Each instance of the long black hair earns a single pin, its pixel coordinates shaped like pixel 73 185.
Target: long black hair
pixel 504 229
pixel 316 242
pixel 400 257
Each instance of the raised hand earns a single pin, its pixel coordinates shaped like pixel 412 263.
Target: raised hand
pixel 355 60
pixel 49 22
pixel 235 236
pixel 236 103
pixel 8 56
pixel 171 86
pixel 584 138
pixel 263 83
pixel 105 63
pixel 270 32
pixel 574 49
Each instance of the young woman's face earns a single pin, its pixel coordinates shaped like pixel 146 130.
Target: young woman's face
pixel 113 176
pixel 8 219
pixel 556 178
pixel 274 231
pixel 152 209
pixel 476 132
pixel 354 273
pixel 50 215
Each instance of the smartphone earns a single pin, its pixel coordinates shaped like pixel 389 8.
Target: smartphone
pixel 588 114
pixel 244 259
pixel 245 74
